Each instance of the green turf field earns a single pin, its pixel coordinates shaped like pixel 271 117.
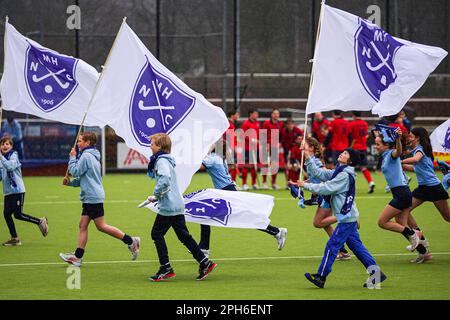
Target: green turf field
pixel 249 264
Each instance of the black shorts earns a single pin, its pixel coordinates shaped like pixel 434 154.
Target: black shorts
pixel 402 198
pixel 430 193
pixel 93 210
pixel 13 203
pixel 363 162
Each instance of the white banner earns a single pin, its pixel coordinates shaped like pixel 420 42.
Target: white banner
pixel 440 138
pixel 128 158
pixel 42 82
pixel 229 209
pixel 359 66
pixel 138 97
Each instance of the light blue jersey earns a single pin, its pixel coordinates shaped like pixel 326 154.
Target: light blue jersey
pixel 319 164
pixel 392 170
pixel 424 169
pixel 217 169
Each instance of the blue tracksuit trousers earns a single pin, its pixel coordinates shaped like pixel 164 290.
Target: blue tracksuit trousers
pixel 344 233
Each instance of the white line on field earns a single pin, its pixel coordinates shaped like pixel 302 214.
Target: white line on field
pixel 191 260
pixel 140 200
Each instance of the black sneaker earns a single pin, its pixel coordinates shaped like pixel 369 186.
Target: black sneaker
pixel 316 279
pixel 204 271
pixel 163 274
pixel 374 285
pixel 312 202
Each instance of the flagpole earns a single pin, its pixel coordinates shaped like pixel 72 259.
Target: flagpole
pixel 309 91
pixel 4 64
pixel 94 92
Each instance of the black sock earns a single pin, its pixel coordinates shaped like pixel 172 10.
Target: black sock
pixel 127 240
pixel 79 253
pixel 421 249
pixel 407 232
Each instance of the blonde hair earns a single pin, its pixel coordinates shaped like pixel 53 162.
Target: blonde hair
pixel 163 141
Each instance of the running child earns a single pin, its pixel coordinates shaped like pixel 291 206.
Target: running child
pixel 171 210
pixel 85 168
pixel 398 208
pixel 339 189
pixel 14 191
pixel 216 166
pixel 323 218
pixel 430 187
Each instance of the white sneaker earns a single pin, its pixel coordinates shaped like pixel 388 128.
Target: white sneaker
pixel 134 248
pixel 255 187
pixel 371 187
pixel 43 226
pixel 71 259
pixel 421 258
pixel 275 187
pixel 415 239
pixel 205 252
pixel 387 189
pixel 264 186
pixel 281 238
pixel 425 243
pixel 245 187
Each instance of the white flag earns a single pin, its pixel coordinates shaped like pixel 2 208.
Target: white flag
pixel 42 82
pixel 138 97
pixel 230 209
pixel 359 66
pixel 440 138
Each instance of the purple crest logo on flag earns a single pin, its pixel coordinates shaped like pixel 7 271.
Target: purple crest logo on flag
pixel 157 105
pixel 375 51
pixel 446 143
pixel 50 77
pixel 215 209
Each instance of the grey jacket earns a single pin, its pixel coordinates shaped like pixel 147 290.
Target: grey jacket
pixel 11 174
pixel 87 173
pixel 170 200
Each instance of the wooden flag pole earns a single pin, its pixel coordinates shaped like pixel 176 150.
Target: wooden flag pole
pixel 309 92
pixel 93 93
pixel 4 64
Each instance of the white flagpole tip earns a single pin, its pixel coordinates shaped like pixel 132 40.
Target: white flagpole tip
pixel 6 18
pixel 124 19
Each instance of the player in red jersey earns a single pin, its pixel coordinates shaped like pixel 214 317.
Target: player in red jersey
pixel 319 121
pixel 359 131
pixel 271 126
pixel 338 136
pixel 295 156
pixel 250 133
pixel 231 139
pixel 289 133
